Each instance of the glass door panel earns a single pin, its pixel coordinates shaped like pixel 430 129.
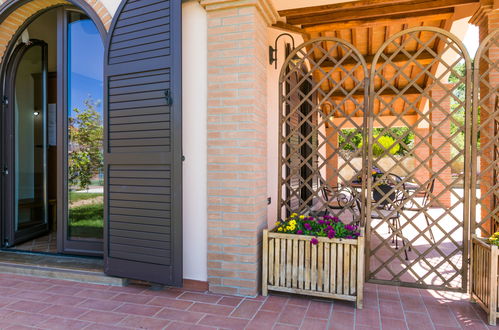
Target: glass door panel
pixel 85 159
pixel 29 103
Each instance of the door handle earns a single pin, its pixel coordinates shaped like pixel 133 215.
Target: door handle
pixel 5 170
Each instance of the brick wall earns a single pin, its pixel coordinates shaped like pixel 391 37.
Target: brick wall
pixel 17 18
pixel 237 137
pixel 487 20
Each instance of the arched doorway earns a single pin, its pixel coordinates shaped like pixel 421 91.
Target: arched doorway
pixel 53 133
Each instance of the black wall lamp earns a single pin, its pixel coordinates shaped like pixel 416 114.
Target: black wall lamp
pixel 273 50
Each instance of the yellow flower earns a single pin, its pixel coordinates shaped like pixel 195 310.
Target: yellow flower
pixel 302 217
pixel 292 222
pixel 288 227
pixel 277 223
pixel 293 215
pixel 279 229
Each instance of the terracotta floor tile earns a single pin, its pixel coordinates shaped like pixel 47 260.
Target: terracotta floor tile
pixel 280 326
pixel 68 305
pixel 100 304
pixel 230 301
pixel 194 296
pixel 59 323
pixel 187 326
pixel 27 306
pixel 393 324
pixel 224 322
pixel 275 303
pixel 138 309
pixel 319 310
pixel 293 315
pixel 170 303
pixel 178 315
pixel 341 320
pixel 103 317
pixel 368 317
pixel 141 322
pixel 211 309
pixel 313 324
pixel 246 309
pixel 132 298
pixel 64 311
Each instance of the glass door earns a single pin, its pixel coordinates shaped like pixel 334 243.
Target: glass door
pixel 83 180
pixel 26 143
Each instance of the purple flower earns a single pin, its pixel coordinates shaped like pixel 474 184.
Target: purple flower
pixel 350 227
pixel 328 217
pixel 349 236
pixel 309 218
pixel 321 222
pixel 328 228
pixel 314 241
pixel 331 233
pixel 335 219
pixel 307 226
pixel 299 232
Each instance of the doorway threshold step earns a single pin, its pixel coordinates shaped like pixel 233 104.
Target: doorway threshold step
pixel 78 269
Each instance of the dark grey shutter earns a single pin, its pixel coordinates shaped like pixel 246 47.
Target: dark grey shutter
pixel 143 142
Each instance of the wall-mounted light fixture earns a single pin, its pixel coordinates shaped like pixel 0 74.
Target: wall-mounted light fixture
pixel 273 50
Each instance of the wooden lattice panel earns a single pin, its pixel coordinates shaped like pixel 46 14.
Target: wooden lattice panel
pixel 431 254
pixel 485 142
pixel 318 103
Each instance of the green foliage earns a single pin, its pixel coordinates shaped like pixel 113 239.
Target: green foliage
pixel 383 143
pixel 85 158
pixel 351 139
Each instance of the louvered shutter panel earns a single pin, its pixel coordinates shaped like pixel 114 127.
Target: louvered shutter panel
pixel 143 142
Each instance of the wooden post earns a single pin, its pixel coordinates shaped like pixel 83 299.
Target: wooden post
pixel 360 270
pixel 265 260
pixel 493 285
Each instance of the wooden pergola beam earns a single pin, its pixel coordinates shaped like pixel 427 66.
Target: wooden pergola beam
pixel 364 10
pixel 424 58
pixel 431 15
pixel 291 28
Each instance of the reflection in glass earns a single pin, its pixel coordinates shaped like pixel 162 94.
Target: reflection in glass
pixel 85 129
pixel 30 142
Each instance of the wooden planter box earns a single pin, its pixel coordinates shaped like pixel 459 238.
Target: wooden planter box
pixel 334 268
pixel 484 281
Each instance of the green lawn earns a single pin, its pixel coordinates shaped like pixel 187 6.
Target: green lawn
pixel 87 220
pixel 78 196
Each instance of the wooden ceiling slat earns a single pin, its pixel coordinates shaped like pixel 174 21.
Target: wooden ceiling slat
pixel 380 10
pixel 382 21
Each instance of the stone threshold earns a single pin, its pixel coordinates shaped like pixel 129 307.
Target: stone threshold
pixel 78 269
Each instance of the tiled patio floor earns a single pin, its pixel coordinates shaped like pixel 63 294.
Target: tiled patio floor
pixel 29 302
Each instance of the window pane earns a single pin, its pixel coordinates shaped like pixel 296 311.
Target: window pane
pixel 85 129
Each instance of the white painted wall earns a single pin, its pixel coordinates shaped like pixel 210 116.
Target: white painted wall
pixel 111 5
pixel 194 127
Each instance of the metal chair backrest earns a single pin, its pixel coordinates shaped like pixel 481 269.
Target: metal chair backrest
pixel 390 192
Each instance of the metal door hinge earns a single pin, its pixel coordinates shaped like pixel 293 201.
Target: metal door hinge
pixel 5 100
pixel 5 170
pixel 168 97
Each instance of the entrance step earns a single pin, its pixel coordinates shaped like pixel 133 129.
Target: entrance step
pixel 78 269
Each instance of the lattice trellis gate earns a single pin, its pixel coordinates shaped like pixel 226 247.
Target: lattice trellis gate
pixel 485 145
pixel 323 88
pixel 417 212
pixel 433 235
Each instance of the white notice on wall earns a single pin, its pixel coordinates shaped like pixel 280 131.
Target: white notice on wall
pixel 52 124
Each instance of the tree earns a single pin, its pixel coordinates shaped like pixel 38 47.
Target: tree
pixel 85 158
